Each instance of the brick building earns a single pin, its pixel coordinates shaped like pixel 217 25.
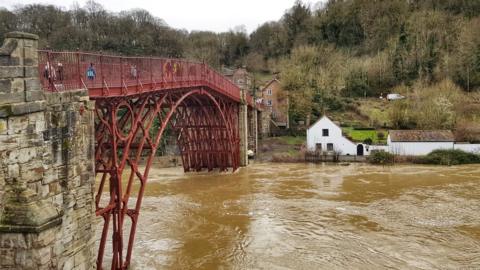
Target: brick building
pixel 275 100
pixel 240 76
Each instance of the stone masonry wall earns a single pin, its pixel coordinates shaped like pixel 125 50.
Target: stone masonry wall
pixel 243 129
pixel 264 125
pixel 46 167
pixel 252 129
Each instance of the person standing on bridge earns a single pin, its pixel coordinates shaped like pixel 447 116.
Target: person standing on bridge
pixel 133 71
pixel 91 74
pixel 60 71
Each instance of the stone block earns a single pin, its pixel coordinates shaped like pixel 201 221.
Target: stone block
pixel 13 240
pixel 9 46
pixel 12 72
pixel 5 60
pixel 3 126
pixel 34 95
pixel 54 188
pixel 5 85
pixel 22 108
pixel 45 238
pixel 22 155
pixel 8 258
pixel 57 200
pixel 32 84
pixel 17 124
pixel 9 98
pixel 90 105
pixel 79 259
pixel 7 142
pixel 30 57
pixel 40 126
pixel 24 259
pixel 23 36
pixel 32 171
pixel 69 264
pixel 18 85
pixel 13 171
pixel 44 255
pixel 9 61
pixel 43 190
pixel 31 72
pixel 50 176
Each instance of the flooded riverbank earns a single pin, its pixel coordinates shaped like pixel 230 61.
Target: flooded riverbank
pixel 307 216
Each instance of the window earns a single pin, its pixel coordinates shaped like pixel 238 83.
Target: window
pixel 269 92
pixel 325 132
pixel 318 147
pixel 269 103
pixel 240 81
pixel 274 114
pixel 329 146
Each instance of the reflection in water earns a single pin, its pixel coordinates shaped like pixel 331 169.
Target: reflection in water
pixel 301 216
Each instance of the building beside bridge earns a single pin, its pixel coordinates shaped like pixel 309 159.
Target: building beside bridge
pixel 419 142
pixel 240 76
pixel 275 100
pixel 326 136
pixel 422 142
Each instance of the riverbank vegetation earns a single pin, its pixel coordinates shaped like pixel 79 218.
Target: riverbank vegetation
pixel 448 157
pixel 381 158
pixel 436 157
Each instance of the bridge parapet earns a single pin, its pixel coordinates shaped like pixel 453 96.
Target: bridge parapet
pixel 46 167
pixel 113 75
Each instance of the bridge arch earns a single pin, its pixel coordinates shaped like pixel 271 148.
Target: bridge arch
pixel 129 129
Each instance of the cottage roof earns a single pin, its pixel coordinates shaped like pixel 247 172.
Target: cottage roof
pixel 265 86
pixel 324 117
pixel 421 136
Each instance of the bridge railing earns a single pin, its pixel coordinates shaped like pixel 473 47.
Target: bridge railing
pixel 107 75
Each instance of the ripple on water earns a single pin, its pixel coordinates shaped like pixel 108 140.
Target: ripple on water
pixel 298 216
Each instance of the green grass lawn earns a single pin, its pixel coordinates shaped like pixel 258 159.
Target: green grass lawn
pixel 291 140
pixel 361 135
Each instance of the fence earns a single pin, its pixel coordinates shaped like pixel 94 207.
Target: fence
pixel 62 71
pixel 317 157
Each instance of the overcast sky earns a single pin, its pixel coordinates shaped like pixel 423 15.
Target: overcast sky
pixel 213 15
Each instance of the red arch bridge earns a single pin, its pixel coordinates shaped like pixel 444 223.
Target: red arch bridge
pixel 138 100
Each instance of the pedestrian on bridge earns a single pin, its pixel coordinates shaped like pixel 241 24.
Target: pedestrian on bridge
pixel 91 74
pixel 60 71
pixel 133 71
pixel 49 72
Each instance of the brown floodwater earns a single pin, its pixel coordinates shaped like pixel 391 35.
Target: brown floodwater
pixel 306 216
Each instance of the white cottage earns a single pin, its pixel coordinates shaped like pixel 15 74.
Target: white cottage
pixel 325 135
pixel 419 142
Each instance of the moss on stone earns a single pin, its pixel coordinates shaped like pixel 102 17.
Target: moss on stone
pixel 6 110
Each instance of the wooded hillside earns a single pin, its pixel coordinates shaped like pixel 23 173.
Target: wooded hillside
pixel 331 56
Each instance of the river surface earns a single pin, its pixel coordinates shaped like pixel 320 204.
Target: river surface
pixel 305 216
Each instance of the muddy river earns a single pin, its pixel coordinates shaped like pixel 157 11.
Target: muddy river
pixel 301 216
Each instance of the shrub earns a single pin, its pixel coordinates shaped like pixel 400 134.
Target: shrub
pixel 363 128
pixel 381 135
pixel 381 157
pixel 357 84
pixel 449 157
pixel 368 141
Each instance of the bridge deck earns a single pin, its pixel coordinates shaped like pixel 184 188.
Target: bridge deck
pixel 123 76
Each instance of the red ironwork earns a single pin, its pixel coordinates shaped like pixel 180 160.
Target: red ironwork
pixel 136 100
pixel 116 74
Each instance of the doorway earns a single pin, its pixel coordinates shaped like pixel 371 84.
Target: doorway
pixel 360 150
